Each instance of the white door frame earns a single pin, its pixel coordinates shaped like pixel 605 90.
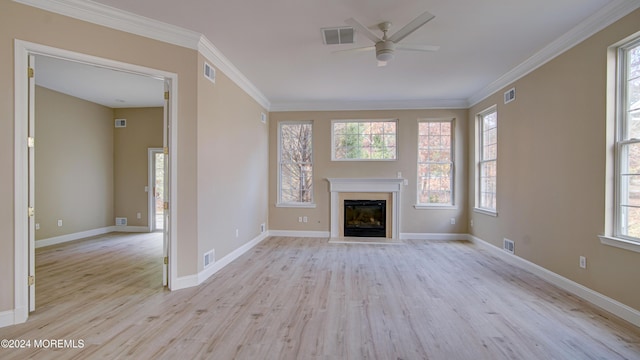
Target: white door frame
pixel 22 50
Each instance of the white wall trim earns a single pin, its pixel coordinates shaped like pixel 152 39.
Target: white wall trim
pixel 7 318
pixel 72 237
pixel 300 233
pixel 197 279
pixel 606 16
pixel 434 236
pixel 121 20
pixel 604 302
pixel 370 105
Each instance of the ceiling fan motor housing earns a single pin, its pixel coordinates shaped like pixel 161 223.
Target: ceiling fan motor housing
pixel 384 50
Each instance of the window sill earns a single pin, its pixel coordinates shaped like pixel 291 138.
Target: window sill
pixel 620 243
pixel 433 207
pixel 297 205
pixel 486 212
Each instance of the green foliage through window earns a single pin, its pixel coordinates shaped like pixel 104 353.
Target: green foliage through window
pixel 364 140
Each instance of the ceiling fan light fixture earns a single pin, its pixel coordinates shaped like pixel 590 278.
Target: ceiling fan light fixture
pixel 385 50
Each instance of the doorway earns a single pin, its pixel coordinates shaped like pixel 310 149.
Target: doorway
pixel 24 186
pixel 156 189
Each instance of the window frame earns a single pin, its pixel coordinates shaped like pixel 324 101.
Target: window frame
pixel 451 203
pixel 622 141
pixel 480 161
pixel 333 144
pixel 279 202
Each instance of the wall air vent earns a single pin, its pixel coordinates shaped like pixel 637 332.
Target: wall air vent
pixel 509 95
pixel 121 221
pixel 508 245
pixel 121 123
pixel 336 36
pixel 210 72
pixel 209 258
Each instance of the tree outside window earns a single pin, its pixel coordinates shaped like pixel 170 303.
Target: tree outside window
pixel 296 163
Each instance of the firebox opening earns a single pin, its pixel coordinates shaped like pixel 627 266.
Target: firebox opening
pixel 365 218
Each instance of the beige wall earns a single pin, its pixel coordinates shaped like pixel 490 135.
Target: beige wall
pixel 551 169
pixel 412 220
pixel 73 164
pixel 131 144
pixel 233 164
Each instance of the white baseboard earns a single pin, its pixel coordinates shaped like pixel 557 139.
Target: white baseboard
pixel 7 318
pixel 85 234
pixel 604 302
pixel 195 280
pixel 296 233
pixel 434 236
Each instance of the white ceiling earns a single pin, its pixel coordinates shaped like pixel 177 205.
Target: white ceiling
pixel 277 45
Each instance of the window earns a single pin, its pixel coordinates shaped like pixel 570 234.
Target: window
pixel 435 162
pixel 487 160
pixel 364 140
pixel 295 158
pixel 627 215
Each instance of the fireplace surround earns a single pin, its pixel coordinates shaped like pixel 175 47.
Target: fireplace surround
pixel 365 189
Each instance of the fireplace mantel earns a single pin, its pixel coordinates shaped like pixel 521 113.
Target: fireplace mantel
pixel 365 185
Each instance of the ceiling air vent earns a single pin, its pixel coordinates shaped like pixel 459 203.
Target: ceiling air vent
pixel 210 72
pixel 121 123
pixel 335 36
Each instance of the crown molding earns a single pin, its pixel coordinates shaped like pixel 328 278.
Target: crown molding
pixel 606 16
pixel 117 19
pixel 369 105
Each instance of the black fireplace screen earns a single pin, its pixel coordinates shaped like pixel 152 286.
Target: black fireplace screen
pixel 365 218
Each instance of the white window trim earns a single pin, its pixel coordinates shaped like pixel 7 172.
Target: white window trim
pixel 478 150
pixel 333 144
pixel 426 206
pixel 280 204
pixel 616 121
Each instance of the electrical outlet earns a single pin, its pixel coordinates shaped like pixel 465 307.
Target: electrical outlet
pixel 37 226
pixel 139 215
pixel 299 218
pixel 59 222
pixel 305 219
pixel 453 221
pixel 237 232
pixel 583 262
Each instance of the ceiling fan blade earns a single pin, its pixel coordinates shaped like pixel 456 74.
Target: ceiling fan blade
pixel 410 47
pixel 360 49
pixel 411 27
pixel 363 30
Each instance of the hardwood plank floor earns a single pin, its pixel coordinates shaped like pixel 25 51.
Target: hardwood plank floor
pixel 301 298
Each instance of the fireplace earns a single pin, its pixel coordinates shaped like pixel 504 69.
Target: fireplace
pixel 365 218
pixel 376 189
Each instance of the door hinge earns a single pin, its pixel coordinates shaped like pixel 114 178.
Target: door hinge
pixel 166 150
pixel 166 205
pixel 31 142
pixel 32 280
pixel 31 72
pixel 32 211
pixel 166 95
pixel 166 260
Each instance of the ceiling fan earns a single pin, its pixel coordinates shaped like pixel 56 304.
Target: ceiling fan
pixel 385 47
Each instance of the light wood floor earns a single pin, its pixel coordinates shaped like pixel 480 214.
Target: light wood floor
pixel 301 298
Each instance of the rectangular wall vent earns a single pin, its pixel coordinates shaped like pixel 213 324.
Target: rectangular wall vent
pixel 209 258
pixel 509 95
pixel 210 72
pixel 121 123
pixel 121 221
pixel 336 36
pixel 263 118
pixel 508 245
